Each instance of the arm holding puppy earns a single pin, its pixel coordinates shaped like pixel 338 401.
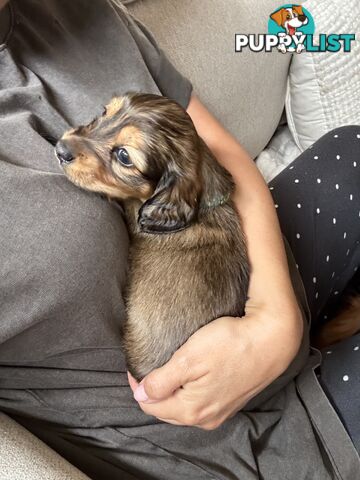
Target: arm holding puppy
pixel 230 360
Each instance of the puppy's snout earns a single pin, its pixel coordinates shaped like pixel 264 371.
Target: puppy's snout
pixel 302 18
pixel 63 152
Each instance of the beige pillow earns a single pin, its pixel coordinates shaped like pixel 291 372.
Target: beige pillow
pixel 246 91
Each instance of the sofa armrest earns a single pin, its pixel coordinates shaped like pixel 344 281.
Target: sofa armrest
pixel 24 457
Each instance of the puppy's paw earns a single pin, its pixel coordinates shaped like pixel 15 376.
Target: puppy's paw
pixel 300 48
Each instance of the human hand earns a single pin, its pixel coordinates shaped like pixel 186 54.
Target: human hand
pixel 220 368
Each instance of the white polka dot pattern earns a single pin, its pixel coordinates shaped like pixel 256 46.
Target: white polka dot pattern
pixel 312 198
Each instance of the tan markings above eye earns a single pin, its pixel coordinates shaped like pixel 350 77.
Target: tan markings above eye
pixel 131 136
pixel 114 106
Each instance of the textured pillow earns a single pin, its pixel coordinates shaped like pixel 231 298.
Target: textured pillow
pixel 278 154
pixel 246 91
pixel 323 88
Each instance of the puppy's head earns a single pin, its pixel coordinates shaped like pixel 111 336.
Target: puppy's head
pixel 144 147
pixel 293 16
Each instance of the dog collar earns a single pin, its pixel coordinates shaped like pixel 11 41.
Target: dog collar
pixel 217 201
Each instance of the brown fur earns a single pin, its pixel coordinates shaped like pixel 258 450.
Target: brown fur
pixel 280 16
pixel 344 325
pixel 188 260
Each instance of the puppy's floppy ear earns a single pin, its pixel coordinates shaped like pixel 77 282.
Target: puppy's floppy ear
pixel 172 207
pixel 298 9
pixel 278 16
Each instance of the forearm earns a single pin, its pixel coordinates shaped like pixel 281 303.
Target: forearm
pixel 270 284
pixel 270 280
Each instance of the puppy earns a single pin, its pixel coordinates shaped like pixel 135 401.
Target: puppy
pixel 290 19
pixel 188 262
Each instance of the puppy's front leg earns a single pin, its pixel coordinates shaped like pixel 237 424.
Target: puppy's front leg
pixel 282 47
pixel 300 48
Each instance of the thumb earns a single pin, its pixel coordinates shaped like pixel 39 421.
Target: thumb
pixel 162 382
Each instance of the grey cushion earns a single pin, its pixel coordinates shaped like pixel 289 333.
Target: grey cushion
pixel 246 91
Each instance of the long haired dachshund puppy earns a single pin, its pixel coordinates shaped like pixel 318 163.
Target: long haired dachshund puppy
pixel 188 258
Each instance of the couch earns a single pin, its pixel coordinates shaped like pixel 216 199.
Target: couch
pixel 247 91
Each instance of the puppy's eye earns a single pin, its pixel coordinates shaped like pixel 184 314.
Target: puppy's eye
pixel 122 156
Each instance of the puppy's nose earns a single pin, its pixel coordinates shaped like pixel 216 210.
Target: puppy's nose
pixel 63 152
pixel 302 18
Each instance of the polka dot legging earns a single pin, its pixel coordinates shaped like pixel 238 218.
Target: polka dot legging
pixel 317 198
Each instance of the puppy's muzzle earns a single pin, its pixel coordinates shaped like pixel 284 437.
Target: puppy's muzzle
pixel 63 153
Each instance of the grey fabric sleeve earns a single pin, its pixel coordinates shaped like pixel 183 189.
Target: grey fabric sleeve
pixel 169 80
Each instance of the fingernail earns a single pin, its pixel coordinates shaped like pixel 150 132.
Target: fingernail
pixel 140 394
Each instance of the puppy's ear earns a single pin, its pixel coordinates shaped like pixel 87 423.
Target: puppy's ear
pixel 172 207
pixel 298 9
pixel 278 16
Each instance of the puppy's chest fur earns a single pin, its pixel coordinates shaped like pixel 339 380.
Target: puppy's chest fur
pixel 181 281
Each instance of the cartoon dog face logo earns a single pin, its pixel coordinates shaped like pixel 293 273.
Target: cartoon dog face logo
pixel 290 19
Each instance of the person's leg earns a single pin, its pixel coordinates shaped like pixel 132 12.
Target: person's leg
pixel 318 203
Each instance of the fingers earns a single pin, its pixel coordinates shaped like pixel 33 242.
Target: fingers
pixel 181 409
pixel 162 382
pixel 170 420
pixel 169 408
